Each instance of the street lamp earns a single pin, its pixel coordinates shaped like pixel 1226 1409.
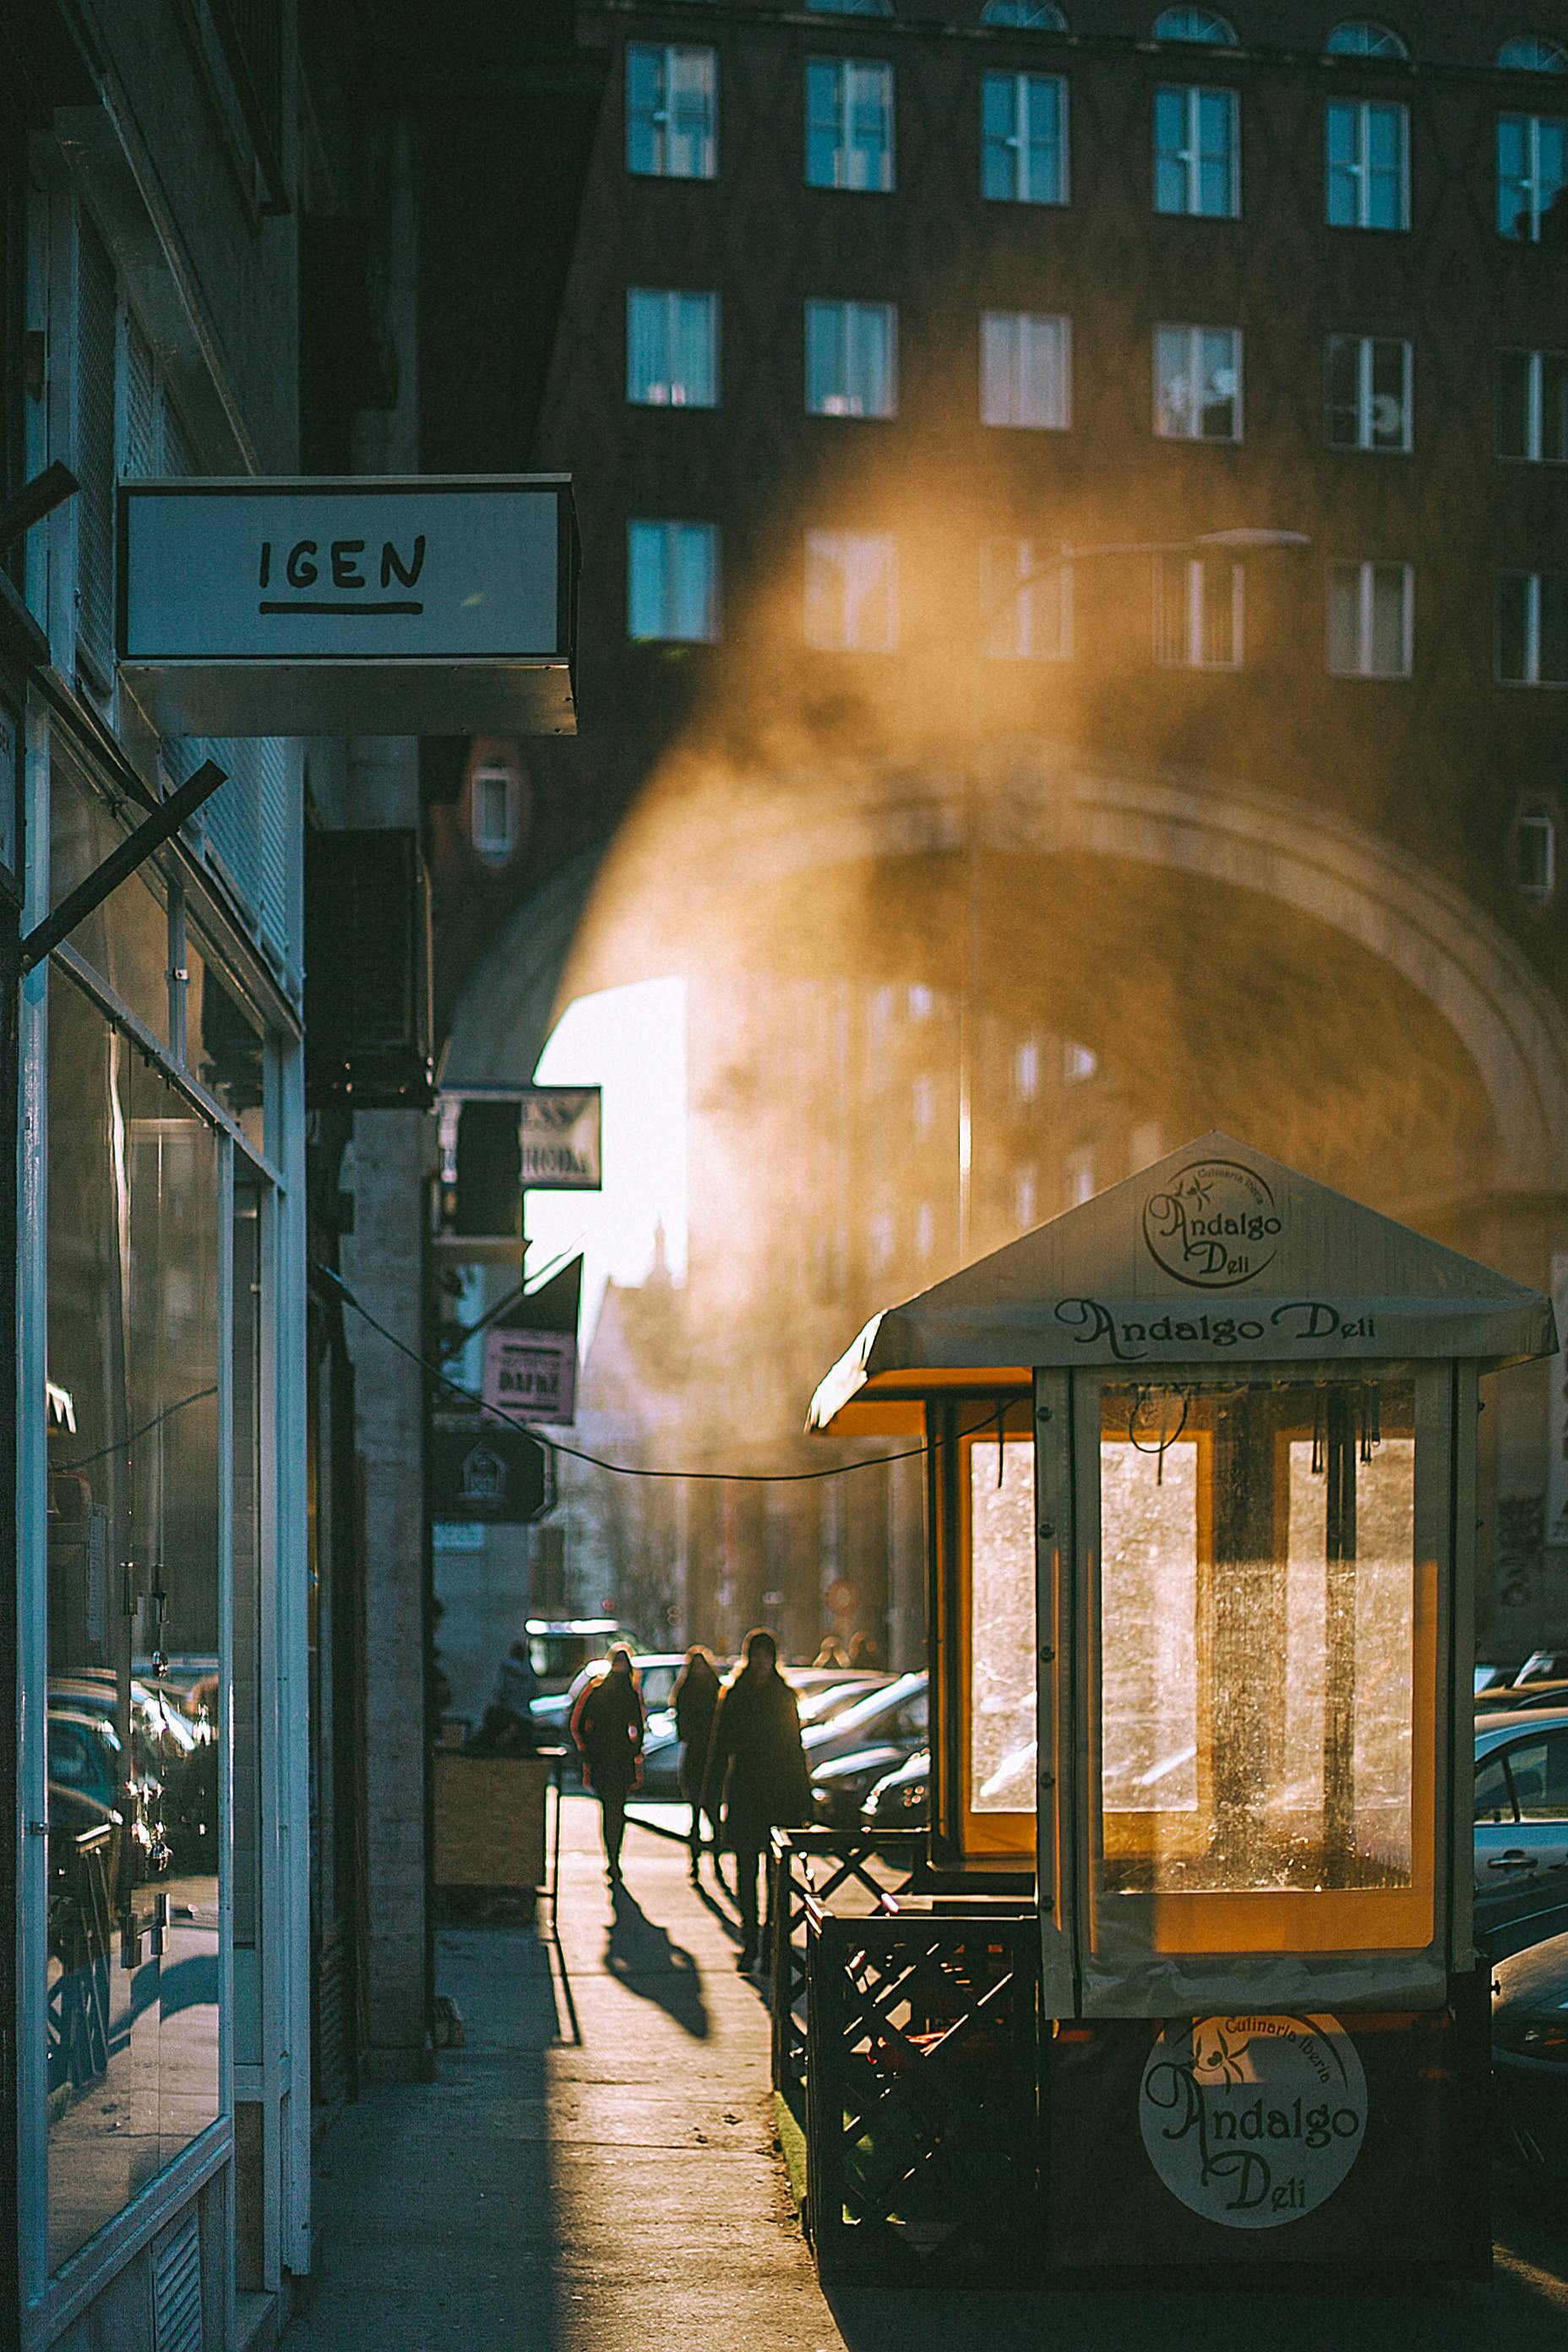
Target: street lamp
pixel 1241 540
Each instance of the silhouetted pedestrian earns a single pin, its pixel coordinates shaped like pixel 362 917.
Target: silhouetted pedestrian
pixel 607 1726
pixel 696 1700
pixel 757 1771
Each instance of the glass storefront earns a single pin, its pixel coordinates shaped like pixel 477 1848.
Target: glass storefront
pixel 133 1688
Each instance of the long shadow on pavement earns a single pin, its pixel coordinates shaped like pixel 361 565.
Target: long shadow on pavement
pixel 645 1960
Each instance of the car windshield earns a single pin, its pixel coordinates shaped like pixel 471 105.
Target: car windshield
pixel 907 1693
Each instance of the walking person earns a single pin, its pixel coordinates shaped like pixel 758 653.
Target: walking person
pixel 696 1700
pixel 757 1771
pixel 607 1727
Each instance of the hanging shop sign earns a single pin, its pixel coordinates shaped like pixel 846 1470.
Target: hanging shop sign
pixel 440 604
pixel 478 1469
pixel 561 1140
pixel 531 1373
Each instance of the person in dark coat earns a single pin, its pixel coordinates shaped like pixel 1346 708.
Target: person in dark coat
pixel 607 1727
pixel 756 1771
pixel 696 1700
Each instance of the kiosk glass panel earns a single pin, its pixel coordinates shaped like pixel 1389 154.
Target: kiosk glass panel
pixel 1260 1666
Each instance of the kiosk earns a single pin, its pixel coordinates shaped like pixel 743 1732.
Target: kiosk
pixel 1202 1505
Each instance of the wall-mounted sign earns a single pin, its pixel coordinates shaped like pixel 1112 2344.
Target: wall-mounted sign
pixel 1253 2121
pixel 374 606
pixel 561 1140
pixel 478 1469
pixel 531 1373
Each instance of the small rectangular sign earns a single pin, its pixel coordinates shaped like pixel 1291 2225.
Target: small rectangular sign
pixel 561 1140
pixel 533 1374
pixel 250 600
pixel 478 1470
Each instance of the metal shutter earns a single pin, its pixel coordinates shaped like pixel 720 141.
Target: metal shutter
pixel 94 467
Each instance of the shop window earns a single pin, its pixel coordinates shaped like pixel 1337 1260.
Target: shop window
pixel 849 124
pixel 1197 383
pixel 1532 407
pixel 1023 138
pixel 125 939
pixel 1080 1175
pixel 1198 152
pixel 1026 1196
pixel 851 359
pixel 132 1710
pixel 672 111
pixel 1532 176
pixel 1369 393
pixel 224 1048
pixel 1368 146
pixel 1026 1069
pixel 1079 1062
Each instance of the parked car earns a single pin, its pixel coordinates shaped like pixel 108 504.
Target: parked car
pixel 839 1789
pixel 819 1702
pixel 826 1695
pixel 1544 1666
pixel 1494 1678
pixel 656 1671
pixel 1530 2060
pixel 900 1799
pixel 559 1647
pixel 1518 1696
pixel 1520 1816
pixel 894 1715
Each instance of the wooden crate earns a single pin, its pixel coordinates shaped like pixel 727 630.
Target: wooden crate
pixel 490 1820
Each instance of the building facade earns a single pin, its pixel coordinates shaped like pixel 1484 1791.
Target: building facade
pixel 994 874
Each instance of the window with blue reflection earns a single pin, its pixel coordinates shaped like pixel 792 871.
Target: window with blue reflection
pixel 1023 151
pixel 849 124
pixel 1533 173
pixel 1197 159
pixel 673 582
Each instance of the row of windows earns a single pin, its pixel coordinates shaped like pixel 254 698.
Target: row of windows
pixel 1355 36
pixel 1026 374
pixel 1026 604
pixel 672 132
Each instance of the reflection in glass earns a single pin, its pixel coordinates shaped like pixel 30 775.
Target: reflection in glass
pixel 1258 1636
pixel 126 940
pixel 1002 1621
pixel 133 1939
pixel 223 1045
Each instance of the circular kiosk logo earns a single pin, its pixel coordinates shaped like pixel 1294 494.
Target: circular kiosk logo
pixel 1216 1224
pixel 1253 2121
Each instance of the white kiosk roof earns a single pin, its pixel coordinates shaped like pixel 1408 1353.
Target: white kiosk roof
pixel 1214 1256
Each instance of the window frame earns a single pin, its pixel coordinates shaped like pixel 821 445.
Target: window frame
pixel 1190 157
pixel 1366 348
pixel 1195 383
pixel 847 318
pixel 1532 180
pixel 845 70
pixel 670 526
pixel 1019 144
pixel 831 546
pixel 1534 452
pixel 669 298
pixel 1366 569
pixel 1184 578
pixel 1360 170
pixel 660 117
pixel 1532 637
pixel 1011 610
pixel 1060 419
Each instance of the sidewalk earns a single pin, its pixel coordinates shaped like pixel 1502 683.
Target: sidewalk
pixel 595 2168
pixel 594 2172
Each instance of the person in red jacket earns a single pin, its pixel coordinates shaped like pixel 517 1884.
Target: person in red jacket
pixel 607 1727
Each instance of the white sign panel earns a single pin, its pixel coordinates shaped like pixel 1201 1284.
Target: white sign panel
pixel 1557 1424
pixel 561 1140
pixel 244 596
pixel 533 1374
